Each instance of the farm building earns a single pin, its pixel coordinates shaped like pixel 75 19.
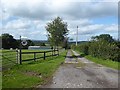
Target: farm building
pixel 39 47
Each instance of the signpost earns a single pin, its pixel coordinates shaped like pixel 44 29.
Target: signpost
pixel 24 43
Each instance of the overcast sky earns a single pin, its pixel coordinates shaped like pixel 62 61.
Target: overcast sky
pixel 28 18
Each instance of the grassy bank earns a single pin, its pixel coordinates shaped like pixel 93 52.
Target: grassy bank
pixel 33 73
pixel 107 63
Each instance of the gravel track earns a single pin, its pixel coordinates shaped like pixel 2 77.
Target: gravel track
pixel 89 75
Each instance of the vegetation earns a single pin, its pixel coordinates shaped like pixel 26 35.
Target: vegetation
pixel 42 44
pixel 108 63
pixel 101 49
pixel 101 46
pixel 31 74
pixel 8 41
pixel 57 32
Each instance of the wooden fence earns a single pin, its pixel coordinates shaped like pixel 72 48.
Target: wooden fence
pixel 54 52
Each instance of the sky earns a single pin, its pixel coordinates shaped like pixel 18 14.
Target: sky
pixel 28 18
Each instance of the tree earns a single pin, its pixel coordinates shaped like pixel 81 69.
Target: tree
pixel 103 37
pixel 65 43
pixel 8 41
pixel 42 44
pixel 57 31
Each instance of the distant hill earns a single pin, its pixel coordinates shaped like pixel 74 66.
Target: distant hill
pixel 38 42
pixel 74 42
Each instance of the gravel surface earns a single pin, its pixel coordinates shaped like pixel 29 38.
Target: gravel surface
pixel 89 75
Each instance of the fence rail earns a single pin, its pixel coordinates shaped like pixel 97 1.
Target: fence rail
pixel 9 58
pixel 53 53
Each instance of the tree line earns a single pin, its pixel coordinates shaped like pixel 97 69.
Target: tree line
pixel 8 41
pixel 102 46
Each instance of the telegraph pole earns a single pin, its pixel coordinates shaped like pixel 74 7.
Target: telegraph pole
pixel 77 36
pixel 20 52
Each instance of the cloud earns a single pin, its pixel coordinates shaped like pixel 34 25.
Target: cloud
pixel 32 16
pixel 39 9
pixel 95 29
pixel 17 24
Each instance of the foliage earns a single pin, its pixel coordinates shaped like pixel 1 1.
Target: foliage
pixel 65 43
pixel 103 47
pixel 42 44
pixel 8 41
pixel 103 37
pixel 57 31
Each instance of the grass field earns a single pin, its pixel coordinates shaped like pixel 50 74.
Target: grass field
pixel 9 57
pixel 107 63
pixel 31 74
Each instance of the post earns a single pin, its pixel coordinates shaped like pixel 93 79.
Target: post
pixel 58 52
pixel 77 36
pixel 34 56
pixel 44 55
pixel 20 52
pixel 17 56
pixel 52 52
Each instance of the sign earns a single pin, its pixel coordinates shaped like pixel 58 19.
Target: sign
pixel 24 42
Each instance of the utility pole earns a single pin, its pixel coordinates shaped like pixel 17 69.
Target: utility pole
pixel 77 36
pixel 20 52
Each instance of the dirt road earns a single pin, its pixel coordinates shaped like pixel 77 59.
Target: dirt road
pixel 84 75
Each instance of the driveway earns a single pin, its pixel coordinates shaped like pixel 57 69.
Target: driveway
pixel 82 73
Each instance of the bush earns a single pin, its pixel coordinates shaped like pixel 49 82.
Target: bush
pixel 101 49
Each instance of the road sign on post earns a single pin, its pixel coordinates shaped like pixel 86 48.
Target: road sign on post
pixel 23 42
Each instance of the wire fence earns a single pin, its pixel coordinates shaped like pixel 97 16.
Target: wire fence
pixel 9 58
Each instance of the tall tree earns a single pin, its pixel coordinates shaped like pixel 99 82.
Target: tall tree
pixel 57 31
pixel 8 41
pixel 103 37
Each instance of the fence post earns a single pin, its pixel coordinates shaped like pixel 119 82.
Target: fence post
pixel 52 52
pixel 17 56
pixel 44 55
pixel 34 56
pixel 20 52
pixel 58 52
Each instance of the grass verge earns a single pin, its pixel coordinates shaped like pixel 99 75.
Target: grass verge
pixel 107 63
pixel 32 74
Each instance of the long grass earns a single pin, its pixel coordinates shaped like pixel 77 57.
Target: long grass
pixel 107 63
pixel 32 74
